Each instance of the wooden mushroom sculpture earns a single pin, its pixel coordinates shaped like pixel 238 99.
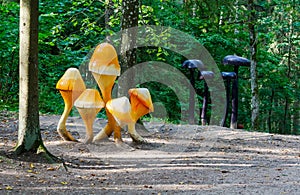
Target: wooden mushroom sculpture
pixel 70 86
pixel 105 68
pixel 127 113
pixel 88 104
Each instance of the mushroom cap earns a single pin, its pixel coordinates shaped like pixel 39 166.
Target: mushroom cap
pixel 105 60
pixel 120 108
pixel 143 96
pixel 90 98
pixel 71 80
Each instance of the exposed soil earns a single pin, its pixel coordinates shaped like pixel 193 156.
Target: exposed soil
pixel 178 159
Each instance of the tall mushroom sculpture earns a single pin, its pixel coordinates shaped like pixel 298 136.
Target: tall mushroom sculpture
pixel 127 113
pixel 88 104
pixel 105 68
pixel 70 86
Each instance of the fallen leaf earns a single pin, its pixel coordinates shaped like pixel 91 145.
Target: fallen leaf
pixel 32 165
pixel 9 188
pixel 50 169
pixel 64 183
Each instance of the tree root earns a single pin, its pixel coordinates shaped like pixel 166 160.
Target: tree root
pixel 42 152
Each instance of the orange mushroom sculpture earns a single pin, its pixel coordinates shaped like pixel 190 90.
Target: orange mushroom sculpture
pixel 105 68
pixel 88 104
pixel 70 86
pixel 127 113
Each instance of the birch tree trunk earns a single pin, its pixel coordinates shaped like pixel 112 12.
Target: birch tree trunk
pixel 253 71
pixel 29 134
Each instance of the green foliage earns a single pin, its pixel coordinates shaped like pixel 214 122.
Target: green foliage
pixel 9 52
pixel 67 33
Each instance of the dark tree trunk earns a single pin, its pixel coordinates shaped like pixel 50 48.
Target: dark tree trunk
pixel 130 11
pixel 130 17
pixel 296 118
pixel 108 13
pixel 285 129
pixel 270 111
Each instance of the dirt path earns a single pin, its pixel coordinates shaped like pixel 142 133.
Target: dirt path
pixel 178 159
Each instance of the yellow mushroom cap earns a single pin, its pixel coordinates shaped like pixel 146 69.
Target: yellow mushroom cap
pixel 90 98
pixel 71 80
pixel 143 96
pixel 105 60
pixel 120 108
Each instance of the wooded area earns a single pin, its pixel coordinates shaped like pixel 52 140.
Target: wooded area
pixel 69 30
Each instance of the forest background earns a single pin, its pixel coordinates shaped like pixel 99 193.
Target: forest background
pixel 69 30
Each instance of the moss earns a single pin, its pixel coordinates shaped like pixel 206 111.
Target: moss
pixel 40 151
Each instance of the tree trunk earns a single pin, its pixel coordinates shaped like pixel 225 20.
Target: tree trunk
pixel 108 13
pixel 296 118
pixel 270 111
pixel 29 136
pixel 130 11
pixel 253 71
pixel 285 129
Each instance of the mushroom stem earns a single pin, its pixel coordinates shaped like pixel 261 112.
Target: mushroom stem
pixel 137 110
pixel 61 127
pixel 88 116
pixel 109 128
pixel 105 83
pixel 88 104
pixel 134 135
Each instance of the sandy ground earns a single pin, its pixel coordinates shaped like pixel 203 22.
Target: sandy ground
pixel 178 159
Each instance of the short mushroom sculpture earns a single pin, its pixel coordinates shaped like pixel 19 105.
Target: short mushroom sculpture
pixel 127 113
pixel 70 86
pixel 88 104
pixel 105 68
